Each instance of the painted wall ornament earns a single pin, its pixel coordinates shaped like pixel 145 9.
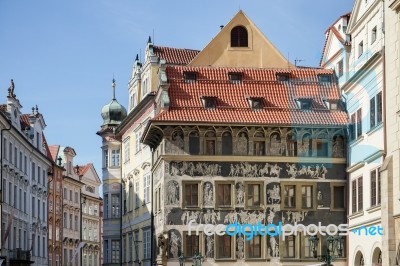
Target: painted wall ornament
pixel 208 194
pixel 172 192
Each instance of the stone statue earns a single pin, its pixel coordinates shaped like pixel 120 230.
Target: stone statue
pixel 162 245
pixel 240 248
pixel 11 89
pixel 210 247
pixel 174 244
pixel 208 194
pixel 172 197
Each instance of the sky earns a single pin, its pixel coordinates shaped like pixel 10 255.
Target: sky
pixel 63 55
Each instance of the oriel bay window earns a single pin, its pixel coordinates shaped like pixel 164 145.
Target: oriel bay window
pixel 191 195
pixel 224 195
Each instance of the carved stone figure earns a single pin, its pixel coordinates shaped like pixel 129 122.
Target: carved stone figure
pixel 275 145
pixel 324 171
pixel 275 170
pixel 240 248
pixel 210 247
pixel 274 195
pixel 304 147
pixel 338 147
pixel 178 143
pixel 173 192
pixel 292 172
pixel 239 193
pixel 242 146
pixel 208 194
pixel 274 247
pixel 174 244
pixel 162 245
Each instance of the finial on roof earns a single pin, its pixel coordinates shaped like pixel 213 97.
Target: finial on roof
pixel 221 26
pixel 33 110
pixel 149 40
pixel 137 57
pixel 113 86
pixel 11 89
pixel 59 159
pixel 36 109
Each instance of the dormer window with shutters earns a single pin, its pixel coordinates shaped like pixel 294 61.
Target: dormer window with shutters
pixel 331 104
pixel 304 104
pixel 282 77
pixel 324 78
pixel 239 37
pixel 190 77
pixel 235 77
pixel 255 103
pixel 209 102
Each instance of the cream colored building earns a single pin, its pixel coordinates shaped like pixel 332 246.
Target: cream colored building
pixel 391 166
pixel 91 220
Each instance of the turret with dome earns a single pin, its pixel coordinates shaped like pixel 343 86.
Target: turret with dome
pixel 113 113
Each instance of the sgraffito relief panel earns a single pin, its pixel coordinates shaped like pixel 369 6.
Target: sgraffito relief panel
pixel 175 243
pixel 268 170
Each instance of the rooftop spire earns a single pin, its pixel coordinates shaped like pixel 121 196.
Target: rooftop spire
pixel 149 40
pixel 137 57
pixel 113 86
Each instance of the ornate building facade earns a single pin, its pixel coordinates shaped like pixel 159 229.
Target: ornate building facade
pixel 24 171
pixel 112 114
pixel 359 67
pixel 92 204
pixel 245 141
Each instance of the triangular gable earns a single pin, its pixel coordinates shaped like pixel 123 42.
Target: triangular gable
pixel 333 45
pixel 89 174
pixel 360 8
pixel 260 53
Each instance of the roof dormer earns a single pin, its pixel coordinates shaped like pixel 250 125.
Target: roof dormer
pixel 304 103
pixel 255 103
pixel 189 76
pixel 235 77
pixel 209 102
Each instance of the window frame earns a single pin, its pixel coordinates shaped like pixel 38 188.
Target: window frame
pixel 376 189
pixel 218 205
pixel 247 184
pixel 193 235
pixel 298 197
pixel 218 240
pixel 248 247
pixel 333 186
pixel 357 195
pixel 184 190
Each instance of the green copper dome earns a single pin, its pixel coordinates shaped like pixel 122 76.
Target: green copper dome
pixel 113 113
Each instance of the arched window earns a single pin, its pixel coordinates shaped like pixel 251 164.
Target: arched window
pixel 227 143
pixel 194 143
pixel 239 37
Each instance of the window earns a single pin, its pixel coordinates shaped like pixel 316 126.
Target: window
pixel 25 164
pixel 325 78
pixel 106 249
pixel 255 103
pixel 355 125
pixel 138 135
pixel 375 187
pixel 224 195
pixel 307 196
pixel 289 196
pixel 130 247
pixel 105 158
pixel 146 244
pixel 254 247
pixel 39 171
pixel 239 37
pixel 194 143
pixel 115 206
pixel 33 170
pixel 191 194
pixel 115 251
pixel 127 156
pixel 10 150
pixel 289 247
pixel 65 220
pixel 132 101
pixel 106 214
pixel 338 196
pixel 15 156
pixel 291 142
pixel 227 143
pixel 137 199
pixel 191 245
pixel 76 197
pixel 304 104
pixel 190 77
pixel 146 192
pixel 254 195
pixel 360 49
pixel 209 102
pixel 235 77
pixel 373 35
pixel 282 77
pixel 224 245
pixel 357 195
pixel 299 196
pixel 76 223
pixel 136 241
pixel 340 68
pixel 115 157
pixel 145 85
pixel 375 114
pixel 259 144
pixel 210 140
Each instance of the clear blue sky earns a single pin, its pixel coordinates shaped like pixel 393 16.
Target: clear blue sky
pixel 62 54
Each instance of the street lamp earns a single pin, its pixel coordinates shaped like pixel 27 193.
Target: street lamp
pixel 335 246
pixel 197 259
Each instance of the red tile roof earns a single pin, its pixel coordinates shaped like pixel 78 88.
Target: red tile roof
pixel 280 106
pixel 54 151
pixel 175 56
pixel 25 123
pixel 84 168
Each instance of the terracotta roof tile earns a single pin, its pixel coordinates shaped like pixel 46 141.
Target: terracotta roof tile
pixel 25 123
pixel 232 104
pixel 54 151
pixel 3 108
pixel 175 56
pixel 84 168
